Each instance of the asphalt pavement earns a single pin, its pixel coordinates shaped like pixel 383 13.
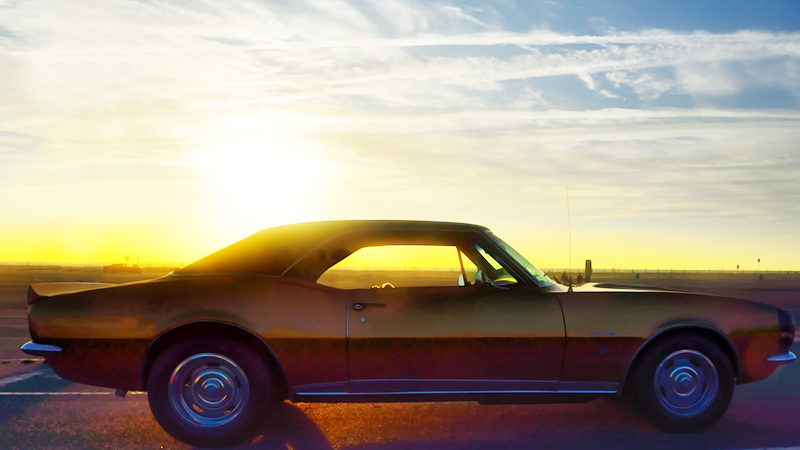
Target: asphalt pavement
pixel 38 410
pixel 13 333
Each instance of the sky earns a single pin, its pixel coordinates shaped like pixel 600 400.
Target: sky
pixel 165 130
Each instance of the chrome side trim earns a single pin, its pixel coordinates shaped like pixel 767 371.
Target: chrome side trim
pixel 738 365
pixel 367 394
pixel 785 358
pixel 35 349
pixel 589 386
pixel 449 385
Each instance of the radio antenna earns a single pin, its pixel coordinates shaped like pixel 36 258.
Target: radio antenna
pixel 569 228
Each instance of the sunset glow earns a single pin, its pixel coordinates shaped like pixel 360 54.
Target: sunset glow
pixel 166 131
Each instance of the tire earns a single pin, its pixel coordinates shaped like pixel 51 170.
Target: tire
pixel 684 384
pixel 226 389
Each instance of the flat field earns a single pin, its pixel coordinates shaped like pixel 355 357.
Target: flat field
pixel 779 289
pixel 14 280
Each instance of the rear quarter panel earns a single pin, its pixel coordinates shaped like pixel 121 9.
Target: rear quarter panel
pixel 593 353
pixel 106 332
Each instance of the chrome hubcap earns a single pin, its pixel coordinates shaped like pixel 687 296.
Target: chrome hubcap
pixel 208 390
pixel 686 383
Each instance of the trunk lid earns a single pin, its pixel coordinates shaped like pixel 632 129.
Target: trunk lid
pixel 38 291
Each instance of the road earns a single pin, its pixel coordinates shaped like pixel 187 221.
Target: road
pixel 38 410
pixel 13 333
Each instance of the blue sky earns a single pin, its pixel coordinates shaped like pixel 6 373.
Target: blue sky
pixel 590 17
pixel 675 124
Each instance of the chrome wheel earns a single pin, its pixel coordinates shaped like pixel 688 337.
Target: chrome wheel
pixel 686 383
pixel 208 390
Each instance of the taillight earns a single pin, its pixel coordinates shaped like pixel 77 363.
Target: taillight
pixel 786 326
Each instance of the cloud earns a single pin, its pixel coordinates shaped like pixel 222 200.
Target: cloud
pixel 587 78
pixel 712 79
pixel 403 99
pixel 528 98
pixel 648 86
pixel 459 13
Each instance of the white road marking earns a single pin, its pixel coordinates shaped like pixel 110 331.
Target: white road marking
pixel 64 393
pixel 771 448
pixel 28 338
pixel 47 373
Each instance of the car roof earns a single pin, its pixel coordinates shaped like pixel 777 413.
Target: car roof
pixel 272 251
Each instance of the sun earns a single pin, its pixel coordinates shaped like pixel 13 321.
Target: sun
pixel 264 180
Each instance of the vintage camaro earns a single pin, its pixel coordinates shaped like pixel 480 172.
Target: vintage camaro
pixel 376 311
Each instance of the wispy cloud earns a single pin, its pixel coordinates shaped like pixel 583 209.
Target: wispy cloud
pixel 433 97
pixel 459 13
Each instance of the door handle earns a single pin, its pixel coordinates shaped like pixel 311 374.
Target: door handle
pixel 360 306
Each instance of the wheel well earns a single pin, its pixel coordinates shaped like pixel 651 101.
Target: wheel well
pixel 216 329
pixel 708 333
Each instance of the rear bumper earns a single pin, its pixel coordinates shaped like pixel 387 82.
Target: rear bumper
pixel 97 362
pixel 785 358
pixel 35 349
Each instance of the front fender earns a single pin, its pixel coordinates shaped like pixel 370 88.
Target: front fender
pixel 607 330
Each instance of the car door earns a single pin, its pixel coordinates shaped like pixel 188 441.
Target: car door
pixel 466 330
pixel 454 339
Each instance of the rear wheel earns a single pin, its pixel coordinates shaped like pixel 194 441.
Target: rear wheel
pixel 209 392
pixel 684 384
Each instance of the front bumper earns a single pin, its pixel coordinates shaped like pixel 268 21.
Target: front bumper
pixel 785 358
pixel 35 349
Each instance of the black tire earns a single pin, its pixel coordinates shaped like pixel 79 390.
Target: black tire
pixel 691 390
pixel 228 370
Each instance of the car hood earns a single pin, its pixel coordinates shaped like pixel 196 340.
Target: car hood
pixel 617 287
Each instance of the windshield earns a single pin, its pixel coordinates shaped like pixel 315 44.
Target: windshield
pixel 539 276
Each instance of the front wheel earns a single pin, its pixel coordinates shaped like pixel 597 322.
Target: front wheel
pixel 684 384
pixel 209 392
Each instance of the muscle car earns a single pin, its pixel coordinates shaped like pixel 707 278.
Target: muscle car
pixel 384 311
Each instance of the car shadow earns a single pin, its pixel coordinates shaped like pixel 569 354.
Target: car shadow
pixel 622 428
pixel 605 424
pixel 287 427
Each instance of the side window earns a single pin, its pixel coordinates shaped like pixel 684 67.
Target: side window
pixel 493 272
pixel 391 266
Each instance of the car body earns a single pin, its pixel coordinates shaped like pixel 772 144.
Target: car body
pixel 125 268
pixel 260 321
